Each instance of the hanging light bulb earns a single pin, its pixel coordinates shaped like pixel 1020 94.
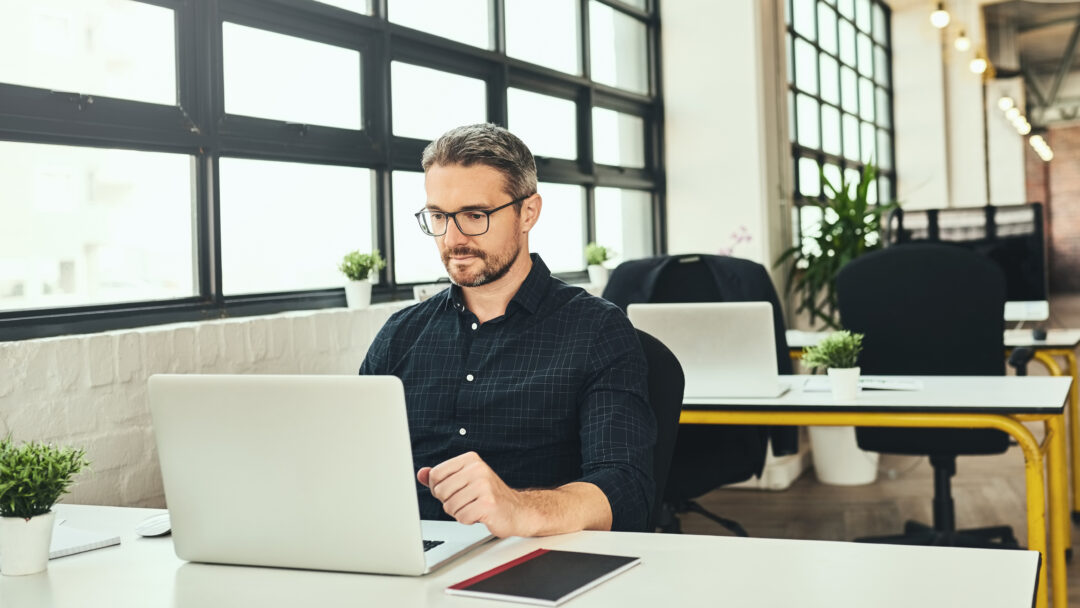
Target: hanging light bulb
pixel 1024 128
pixel 1005 103
pixel 962 42
pixel 1012 113
pixel 978 65
pixel 940 17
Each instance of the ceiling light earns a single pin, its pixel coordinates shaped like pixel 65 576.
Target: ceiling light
pixel 962 42
pixel 1012 113
pixel 1036 140
pixel 1024 128
pixel 1005 103
pixel 940 17
pixel 978 65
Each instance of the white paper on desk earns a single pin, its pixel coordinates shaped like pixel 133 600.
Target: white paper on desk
pixel 69 541
pixel 816 384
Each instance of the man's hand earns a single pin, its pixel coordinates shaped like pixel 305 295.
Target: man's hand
pixel 471 492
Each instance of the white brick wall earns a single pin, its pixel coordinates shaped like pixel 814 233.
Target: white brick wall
pixel 89 391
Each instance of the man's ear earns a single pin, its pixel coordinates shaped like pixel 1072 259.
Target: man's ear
pixel 530 211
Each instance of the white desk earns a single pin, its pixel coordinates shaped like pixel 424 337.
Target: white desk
pixel 999 402
pixel 1055 338
pixel 676 570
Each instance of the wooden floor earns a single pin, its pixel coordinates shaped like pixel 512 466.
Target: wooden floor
pixel 987 490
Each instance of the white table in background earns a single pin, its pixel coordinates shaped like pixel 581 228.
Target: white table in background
pixel 999 402
pixel 676 570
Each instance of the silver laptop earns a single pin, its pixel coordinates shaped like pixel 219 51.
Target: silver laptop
pixel 727 349
pixel 310 472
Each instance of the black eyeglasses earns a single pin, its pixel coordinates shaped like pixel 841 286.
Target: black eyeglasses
pixel 470 222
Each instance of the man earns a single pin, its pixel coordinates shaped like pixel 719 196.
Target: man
pixel 526 397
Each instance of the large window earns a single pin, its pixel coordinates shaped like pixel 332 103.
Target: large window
pixel 839 97
pixel 170 160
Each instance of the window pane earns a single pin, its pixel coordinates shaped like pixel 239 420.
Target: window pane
pixel 810 217
pixel 624 222
pixel 851 137
pixel 827 27
pixel 881 30
pixel 270 75
pixel 559 234
pixel 618 138
pixel 635 3
pixel 528 33
pixel 462 20
pixel 862 14
pixel 866 55
pixel 789 59
pixel 885 189
pixel 285 226
pixel 866 99
pixel 804 18
pixel 849 90
pixel 847 8
pixel 883 107
pixel 809 178
pixel 618 49
pixel 830 79
pixel 94 226
pixel 830 129
pixel 884 147
pixel 868 142
pixel 847 43
pixel 461 101
pixel 805 67
pixel 807 109
pixel 547 124
pixel 95 47
pixel 791 115
pixel 881 65
pixel 356 6
pixel 416 256
pixel 832 179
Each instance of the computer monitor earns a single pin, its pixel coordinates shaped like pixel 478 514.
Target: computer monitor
pixel 1010 235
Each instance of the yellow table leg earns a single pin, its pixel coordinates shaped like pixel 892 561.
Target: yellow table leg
pixel 1060 531
pixel 1033 465
pixel 1074 428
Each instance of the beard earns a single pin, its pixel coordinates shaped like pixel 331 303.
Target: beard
pixel 494 267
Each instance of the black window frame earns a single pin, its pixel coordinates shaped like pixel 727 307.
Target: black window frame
pixel 817 153
pixel 198 126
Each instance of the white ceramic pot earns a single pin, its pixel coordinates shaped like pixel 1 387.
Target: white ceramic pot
pixel 838 460
pixel 358 293
pixel 24 544
pixel 598 275
pixel 844 382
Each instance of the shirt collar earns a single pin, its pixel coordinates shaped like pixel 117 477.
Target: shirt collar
pixel 528 296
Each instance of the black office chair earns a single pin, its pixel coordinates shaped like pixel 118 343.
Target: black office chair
pixel 666 384
pixel 929 309
pixel 707 457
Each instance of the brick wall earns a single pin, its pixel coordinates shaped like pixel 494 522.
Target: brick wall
pixel 1058 185
pixel 90 390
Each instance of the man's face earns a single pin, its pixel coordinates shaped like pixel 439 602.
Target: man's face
pixel 472 261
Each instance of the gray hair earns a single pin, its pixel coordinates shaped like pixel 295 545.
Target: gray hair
pixel 486 144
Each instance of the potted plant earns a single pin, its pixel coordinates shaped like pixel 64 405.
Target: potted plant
pixel 357 268
pixel 839 353
pixel 33 476
pixel 850 226
pixel 595 256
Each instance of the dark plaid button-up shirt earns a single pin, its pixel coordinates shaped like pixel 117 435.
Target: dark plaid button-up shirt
pixel 553 391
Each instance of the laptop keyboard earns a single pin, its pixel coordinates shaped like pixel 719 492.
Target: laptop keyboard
pixel 431 544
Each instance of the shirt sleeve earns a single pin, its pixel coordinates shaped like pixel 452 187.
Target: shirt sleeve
pixel 618 428
pixel 376 362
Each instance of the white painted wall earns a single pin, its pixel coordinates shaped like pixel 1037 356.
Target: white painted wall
pixel 89 391
pixel 725 119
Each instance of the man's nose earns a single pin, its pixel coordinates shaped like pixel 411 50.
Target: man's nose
pixel 453 236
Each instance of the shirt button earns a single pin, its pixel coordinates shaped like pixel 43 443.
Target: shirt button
pixel 469 378
pixel 461 431
pixel 474 326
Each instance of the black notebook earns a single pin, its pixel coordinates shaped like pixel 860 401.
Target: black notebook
pixel 544 577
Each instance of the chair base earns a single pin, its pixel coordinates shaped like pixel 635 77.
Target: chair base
pixel 916 533
pixel 668 519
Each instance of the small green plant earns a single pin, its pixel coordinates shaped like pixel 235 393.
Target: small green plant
pixel 358 266
pixel 34 475
pixel 596 254
pixel 838 350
